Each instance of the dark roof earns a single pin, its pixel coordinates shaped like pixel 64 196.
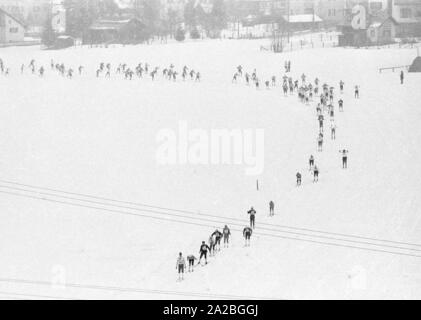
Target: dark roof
pixel 13 17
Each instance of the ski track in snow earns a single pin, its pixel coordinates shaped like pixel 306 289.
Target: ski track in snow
pixel 97 137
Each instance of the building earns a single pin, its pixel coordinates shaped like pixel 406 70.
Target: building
pixel 116 31
pixel 408 14
pixel 245 8
pixel 16 8
pixel 11 28
pixel 332 12
pixel 300 22
pixel 382 31
pixel 300 7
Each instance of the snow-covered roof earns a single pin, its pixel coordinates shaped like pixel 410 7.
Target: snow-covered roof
pixel 111 24
pixel 379 23
pixel 300 18
pixel 375 25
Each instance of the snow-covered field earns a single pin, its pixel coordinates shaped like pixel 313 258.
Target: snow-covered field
pixel 354 234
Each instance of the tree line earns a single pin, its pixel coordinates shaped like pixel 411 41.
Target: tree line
pixel 157 19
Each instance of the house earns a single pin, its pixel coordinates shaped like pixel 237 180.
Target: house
pixel 11 28
pixel 408 14
pixel 117 31
pixel 332 12
pixel 254 26
pixel 303 21
pixel 382 31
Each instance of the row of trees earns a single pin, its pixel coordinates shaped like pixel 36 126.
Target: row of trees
pixel 80 14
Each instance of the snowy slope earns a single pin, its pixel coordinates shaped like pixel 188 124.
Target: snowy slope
pixel 98 137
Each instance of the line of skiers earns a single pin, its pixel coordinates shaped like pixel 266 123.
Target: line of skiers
pixel 325 105
pixel 105 69
pixel 213 246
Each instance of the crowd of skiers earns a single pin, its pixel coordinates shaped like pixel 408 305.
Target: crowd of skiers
pixel 325 107
pixel 307 91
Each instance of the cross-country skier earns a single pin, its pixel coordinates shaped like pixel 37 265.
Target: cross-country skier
pixel 333 131
pixel 234 78
pixel 203 252
pixel 226 232
pixel 341 105
pixel 315 174
pixel 344 158
pixel 320 142
pixel 341 86
pixel 247 231
pixel 240 70
pixel 180 265
pixel 218 235
pixel 357 92
pixel 191 258
pixel 298 175
pixel 211 246
pixel 271 208
pixel 320 118
pixel 311 162
pixel 401 76
pixel 252 214
pixel 331 113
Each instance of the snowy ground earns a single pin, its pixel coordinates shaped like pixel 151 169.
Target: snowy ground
pixel 97 137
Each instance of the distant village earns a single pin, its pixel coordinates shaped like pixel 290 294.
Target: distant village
pixel 63 23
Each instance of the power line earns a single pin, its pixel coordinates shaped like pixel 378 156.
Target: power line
pixel 208 220
pixel 32 295
pixel 135 290
pixel 207 225
pixel 208 215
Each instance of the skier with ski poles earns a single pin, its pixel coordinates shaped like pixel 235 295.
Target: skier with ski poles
pixel 341 105
pixel 247 231
pixel 252 214
pixel 180 265
pixel 203 252
pixel 218 235
pixel 211 246
pixel 226 232
pixel 191 258
pixel 344 158
pixel 320 142
pixel 298 175
pixel 333 131
pixel 311 162
pixel 315 174
pixel 271 208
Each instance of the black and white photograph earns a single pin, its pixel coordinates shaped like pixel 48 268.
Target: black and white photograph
pixel 210 150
